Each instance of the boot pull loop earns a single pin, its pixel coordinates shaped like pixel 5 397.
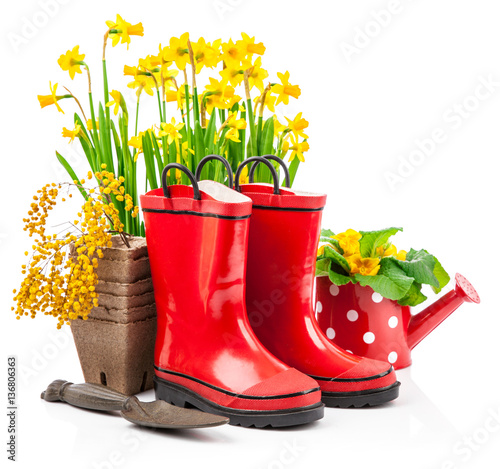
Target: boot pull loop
pixel 258 159
pixel 278 160
pixel 189 174
pixel 206 159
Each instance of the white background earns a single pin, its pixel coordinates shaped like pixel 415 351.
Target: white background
pixel 366 110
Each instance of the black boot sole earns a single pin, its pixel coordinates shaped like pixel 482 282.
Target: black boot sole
pixel 370 397
pixel 181 396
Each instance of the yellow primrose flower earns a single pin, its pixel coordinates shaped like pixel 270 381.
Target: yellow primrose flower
pixel 363 265
pixel 206 54
pixel 257 75
pixel 47 100
pixel 71 134
pixel 171 131
pixel 297 125
pixel 177 51
pixel 401 255
pixel 71 61
pixel 117 101
pixel 391 250
pixel 285 89
pixel 234 54
pixel 348 241
pixel 121 29
pixel 90 125
pixel 248 46
pixel 298 149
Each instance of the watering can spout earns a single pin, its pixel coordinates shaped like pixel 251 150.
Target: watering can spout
pixel 427 320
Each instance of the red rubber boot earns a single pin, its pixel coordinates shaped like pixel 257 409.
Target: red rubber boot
pixel 206 354
pixel 283 239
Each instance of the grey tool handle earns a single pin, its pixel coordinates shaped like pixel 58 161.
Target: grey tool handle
pixel 86 395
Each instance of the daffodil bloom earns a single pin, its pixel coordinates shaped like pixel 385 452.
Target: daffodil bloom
pixel 244 177
pixel 269 102
pixel 348 241
pixel 90 125
pixel 121 29
pixel 257 75
pixel 47 100
pixel 71 61
pixel 176 95
pixel 136 142
pixel 297 125
pixel 285 89
pixel 248 47
pixel 234 125
pixel 363 265
pixel 278 126
pixel 206 54
pixel 217 94
pixel 117 101
pixel 234 55
pixel 177 51
pixel 171 131
pixel 233 75
pixel 298 149
pixel 71 134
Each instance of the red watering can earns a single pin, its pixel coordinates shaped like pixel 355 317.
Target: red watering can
pixel 363 322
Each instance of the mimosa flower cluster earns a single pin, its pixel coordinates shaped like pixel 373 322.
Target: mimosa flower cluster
pixel 61 273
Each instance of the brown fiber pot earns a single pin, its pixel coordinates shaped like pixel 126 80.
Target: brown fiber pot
pixel 115 344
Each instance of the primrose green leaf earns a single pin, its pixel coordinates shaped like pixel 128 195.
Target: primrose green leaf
pixel 414 296
pixel 325 232
pixel 337 258
pixel 420 265
pixel 322 267
pixel 371 240
pixel 339 279
pixel 441 275
pixel 391 281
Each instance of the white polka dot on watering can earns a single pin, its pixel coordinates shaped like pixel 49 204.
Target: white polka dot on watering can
pixel 368 337
pixel 393 322
pixel 352 315
pixel 377 297
pixel 319 307
pixel 393 356
pixel 334 290
pixel 330 333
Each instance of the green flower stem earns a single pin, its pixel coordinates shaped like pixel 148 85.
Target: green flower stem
pixel 253 135
pixel 159 105
pixel 137 116
pixel 106 91
pixel 196 105
pixel 243 115
pixel 188 118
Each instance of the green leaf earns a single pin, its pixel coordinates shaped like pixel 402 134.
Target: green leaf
pixel 266 142
pixel 149 160
pixel 326 239
pixel 322 267
pixel 199 144
pixel 325 232
pixel 420 266
pixel 371 240
pixel 441 275
pixel 71 173
pixel 414 296
pixel 292 169
pixel 339 279
pixel 339 259
pixel 210 133
pixel 391 281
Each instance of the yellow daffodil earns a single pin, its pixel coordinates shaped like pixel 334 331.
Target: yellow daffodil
pixel 71 134
pixel 269 102
pixel 233 135
pixel 142 80
pixel 90 126
pixel 206 54
pixel 136 142
pixel 297 125
pixel 178 95
pixel 117 101
pixel 171 131
pixel 233 74
pixel 363 265
pixel 177 51
pixel 349 242
pixel 285 89
pixel 257 75
pixel 47 100
pixel 278 126
pixel 71 61
pixel 234 125
pixel 248 47
pixel 244 177
pixel 218 94
pixel 234 55
pixel 298 149
pixel 121 29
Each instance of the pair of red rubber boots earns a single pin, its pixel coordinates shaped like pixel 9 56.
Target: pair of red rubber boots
pixel 233 274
